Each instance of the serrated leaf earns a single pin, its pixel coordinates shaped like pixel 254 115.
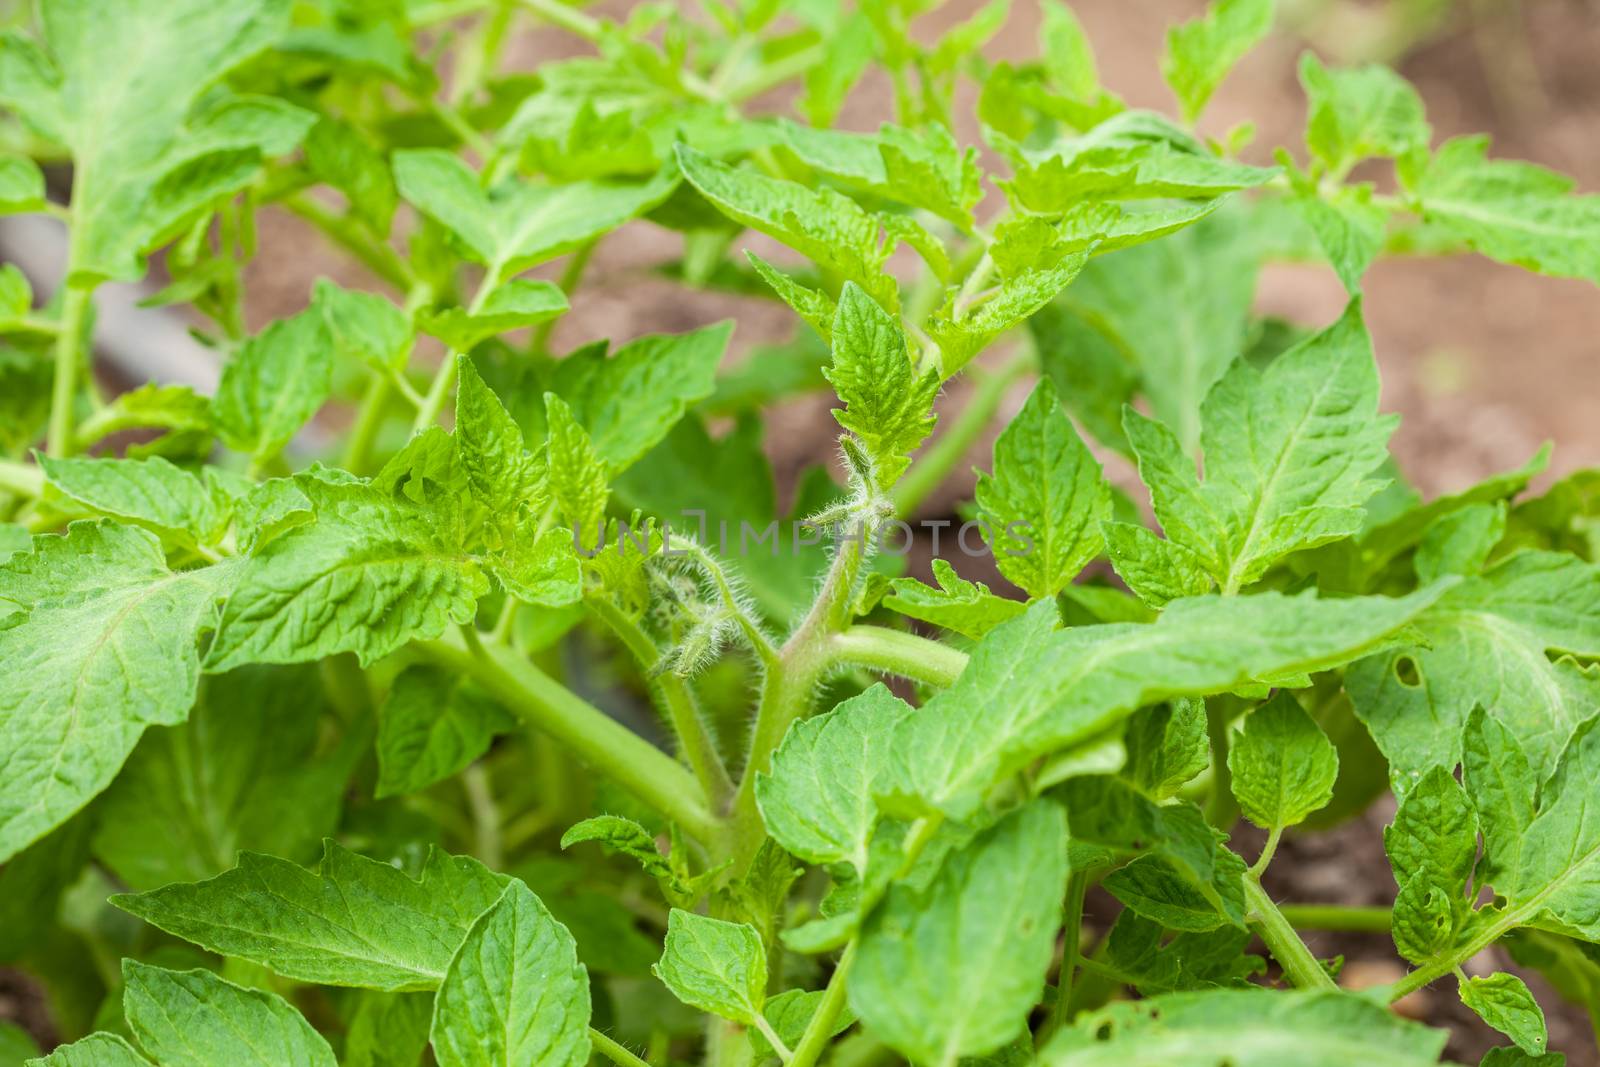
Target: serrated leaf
pixel 1157 889
pixel 1551 883
pixel 1245 1028
pixel 577 477
pixel 433 725
pixel 1516 213
pixel 1289 456
pixel 1504 1002
pixel 921 168
pixel 103 638
pixel 340 155
pixel 277 380
pixel 353 922
pixel 968 608
pixel 1167 746
pixel 1503 788
pixel 1201 52
pixel 1157 570
pixel 515 991
pixel 364 326
pixel 166 500
pixel 500 472
pixel 954 968
pixel 886 401
pixel 1046 498
pixel 1360 113
pixel 371 572
pixel 816 307
pixel 96 1050
pixel 1423 919
pixel 1460 542
pixel 826 227
pixel 1030 689
pixel 521 224
pixel 962 336
pixel 1283 766
pixel 516 304
pixel 716 966
pixel 817 800
pixel 195 1019
pixel 1487 643
pixel 1348 225
pixel 1435 830
pixel 1189 961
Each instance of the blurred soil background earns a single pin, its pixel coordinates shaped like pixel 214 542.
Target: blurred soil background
pixel 1483 362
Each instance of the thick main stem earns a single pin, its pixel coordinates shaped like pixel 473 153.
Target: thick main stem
pixel 619 753
pixel 68 354
pixel 1299 965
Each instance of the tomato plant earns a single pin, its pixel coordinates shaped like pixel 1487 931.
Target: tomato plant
pixel 607 754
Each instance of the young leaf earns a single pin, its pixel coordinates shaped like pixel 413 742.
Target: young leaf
pixel 276 382
pixel 1486 644
pixel 515 991
pixel 96 1050
pixel 1360 113
pixel 886 401
pixel 1283 765
pixel 1516 213
pixel 514 305
pixel 577 476
pixel 953 969
pixel 961 336
pixel 353 922
pixel 1157 570
pixel 1349 227
pixel 968 608
pixel 373 571
pixel 1201 52
pixel 817 801
pixel 432 726
pixel 716 966
pixel 1245 1028
pixel 523 224
pixel 500 472
pixel 195 1019
pixel 1046 499
pixel 21 185
pixel 103 641
pixel 1504 1002
pixel 1159 890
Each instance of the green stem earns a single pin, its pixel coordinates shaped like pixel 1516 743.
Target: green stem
pixel 777 72
pixel 348 234
pixel 819 1031
pixel 567 18
pixel 899 653
pixel 619 753
pixel 613 1051
pixel 485 816
pixel 1334 917
pixel 369 420
pixel 1077 886
pixel 935 465
pixel 1268 850
pixel 688 722
pixel 75 302
pixel 1298 964
pixel 445 376
pixel 571 276
pixel 21 479
pixel 1485 937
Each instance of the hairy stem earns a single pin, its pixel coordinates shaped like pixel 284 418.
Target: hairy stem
pixel 613 1051
pixel 819 1031
pixel 1298 964
pixel 68 352
pixel 688 721
pixel 349 235
pixel 947 450
pixel 906 655
pixel 445 376
pixel 619 753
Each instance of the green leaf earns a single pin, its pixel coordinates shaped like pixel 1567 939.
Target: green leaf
pixel 1434 828
pixel 1105 165
pixel 1030 689
pixel 1068 55
pixel 1360 113
pixel 1283 766
pixel 1349 227
pixel 824 226
pixel 1504 1002
pixel 518 225
pixel 541 570
pixel 1423 920
pixel 816 307
pixel 122 111
pixel 1189 961
pixel 1503 788
pixel 577 476
pixel 195 1019
pixel 1515 1057
pixel 245 772
pixel 516 304
pixel 373 571
pixel 16 1045
pixel 1167 746
pixel 887 403
pixel 387 1030
pixel 501 474
pixel 152 493
pixel 103 639
pixel 1289 454
pixel 1046 499
pixel 364 326
pixel 953 969
pixel 21 185
pixel 432 726
pixel 1516 213
pixel 817 801
pixel 515 991
pixel 716 966
pixel 968 608
pixel 1460 542
pixel 921 168
pixel 1245 1028
pixel 1158 889
pixel 339 155
pixel 353 922
pixel 1202 51
pixel 1487 642
pixel 962 336
pixel 629 402
pixel 789 1013
pixel 1157 570
pixel 1550 883
pixel 274 384
pixel 96 1050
